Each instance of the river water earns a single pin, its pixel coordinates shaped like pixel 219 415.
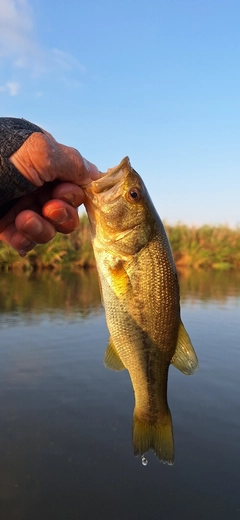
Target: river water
pixel 65 420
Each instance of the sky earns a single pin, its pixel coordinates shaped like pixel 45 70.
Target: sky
pixel 157 80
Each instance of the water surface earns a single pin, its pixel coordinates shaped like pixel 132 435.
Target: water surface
pixel 65 420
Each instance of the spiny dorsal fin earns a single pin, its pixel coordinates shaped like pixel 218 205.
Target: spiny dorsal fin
pixel 112 359
pixel 185 358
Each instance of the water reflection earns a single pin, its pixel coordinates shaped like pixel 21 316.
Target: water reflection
pixel 65 421
pixel 37 293
pixel 73 293
pixel 209 285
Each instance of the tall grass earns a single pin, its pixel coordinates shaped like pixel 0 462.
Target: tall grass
pixel 207 246
pixel 204 247
pixel 69 252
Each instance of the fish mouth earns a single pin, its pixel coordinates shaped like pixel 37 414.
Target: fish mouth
pixel 109 186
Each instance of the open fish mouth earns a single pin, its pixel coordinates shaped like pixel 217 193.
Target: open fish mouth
pixel 109 186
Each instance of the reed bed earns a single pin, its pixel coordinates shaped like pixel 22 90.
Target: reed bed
pixel 207 246
pixel 204 247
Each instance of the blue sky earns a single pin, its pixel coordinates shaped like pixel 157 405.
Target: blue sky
pixel 158 80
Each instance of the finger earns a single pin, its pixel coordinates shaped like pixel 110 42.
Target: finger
pixel 70 193
pixel 93 172
pixel 63 216
pixel 21 244
pixel 16 239
pixel 90 167
pixel 22 204
pixel 34 227
pixel 42 159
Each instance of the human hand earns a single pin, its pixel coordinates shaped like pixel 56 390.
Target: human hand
pixel 42 159
pixel 37 216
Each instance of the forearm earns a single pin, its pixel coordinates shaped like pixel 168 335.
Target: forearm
pixel 13 133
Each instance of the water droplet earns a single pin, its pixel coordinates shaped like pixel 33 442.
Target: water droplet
pixel 144 461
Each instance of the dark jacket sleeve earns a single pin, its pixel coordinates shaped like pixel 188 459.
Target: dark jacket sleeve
pixel 13 133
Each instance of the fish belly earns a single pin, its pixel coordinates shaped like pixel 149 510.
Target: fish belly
pixel 141 301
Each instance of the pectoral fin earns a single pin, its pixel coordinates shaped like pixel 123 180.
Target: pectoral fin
pixel 119 279
pixel 185 358
pixel 112 359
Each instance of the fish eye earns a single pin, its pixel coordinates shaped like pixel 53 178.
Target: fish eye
pixel 134 194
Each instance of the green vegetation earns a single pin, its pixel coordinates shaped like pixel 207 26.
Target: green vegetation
pixel 200 248
pixel 205 247
pixel 72 252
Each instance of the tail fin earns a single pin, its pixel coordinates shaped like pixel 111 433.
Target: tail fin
pixel 157 437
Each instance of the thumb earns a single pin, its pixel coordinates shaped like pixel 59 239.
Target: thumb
pixel 42 159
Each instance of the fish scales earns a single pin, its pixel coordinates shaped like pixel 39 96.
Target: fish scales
pixel 140 293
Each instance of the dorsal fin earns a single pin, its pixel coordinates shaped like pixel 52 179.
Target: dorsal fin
pixel 185 358
pixel 112 359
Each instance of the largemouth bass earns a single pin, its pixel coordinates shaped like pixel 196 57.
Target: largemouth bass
pixel 140 293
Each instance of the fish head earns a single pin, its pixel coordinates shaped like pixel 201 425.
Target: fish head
pixel 120 210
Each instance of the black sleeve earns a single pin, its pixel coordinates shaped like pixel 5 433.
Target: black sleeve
pixel 13 133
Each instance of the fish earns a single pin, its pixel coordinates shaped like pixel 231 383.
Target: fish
pixel 140 293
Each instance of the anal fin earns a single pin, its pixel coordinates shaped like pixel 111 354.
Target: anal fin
pixel 185 358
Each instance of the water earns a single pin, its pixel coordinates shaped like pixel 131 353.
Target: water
pixel 144 461
pixel 65 420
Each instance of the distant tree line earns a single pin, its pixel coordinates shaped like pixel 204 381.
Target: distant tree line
pixel 207 246
pixel 204 247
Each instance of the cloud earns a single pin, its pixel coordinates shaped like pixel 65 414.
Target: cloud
pixel 66 61
pixel 19 48
pixel 11 87
pixel 16 26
